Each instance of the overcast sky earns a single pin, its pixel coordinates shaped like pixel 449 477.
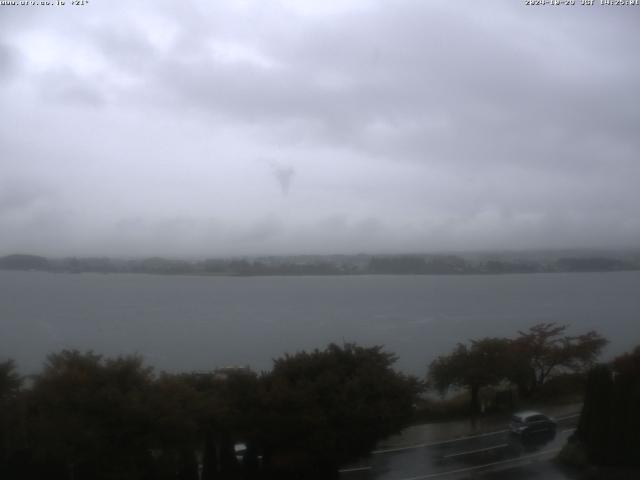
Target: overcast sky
pixel 213 128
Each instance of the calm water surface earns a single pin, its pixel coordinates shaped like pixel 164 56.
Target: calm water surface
pixel 185 323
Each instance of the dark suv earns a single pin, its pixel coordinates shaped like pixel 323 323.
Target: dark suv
pixel 527 423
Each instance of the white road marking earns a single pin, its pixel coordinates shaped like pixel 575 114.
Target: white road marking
pixel 573 415
pixel 469 452
pixel 478 467
pixel 460 439
pixel 435 444
pixel 354 469
pixel 445 442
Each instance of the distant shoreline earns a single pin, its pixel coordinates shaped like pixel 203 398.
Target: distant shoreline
pixel 329 265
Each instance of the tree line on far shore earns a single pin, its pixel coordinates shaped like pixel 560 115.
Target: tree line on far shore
pixel 87 416
pixel 323 265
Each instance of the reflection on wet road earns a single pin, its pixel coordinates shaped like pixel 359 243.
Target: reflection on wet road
pixel 462 457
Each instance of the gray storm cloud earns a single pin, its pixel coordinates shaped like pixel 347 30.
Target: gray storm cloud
pixel 131 129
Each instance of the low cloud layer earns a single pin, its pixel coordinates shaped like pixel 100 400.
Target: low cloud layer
pixel 143 128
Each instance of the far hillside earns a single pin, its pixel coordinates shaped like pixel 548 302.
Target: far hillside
pixel 415 264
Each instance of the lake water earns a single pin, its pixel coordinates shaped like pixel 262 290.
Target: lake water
pixel 196 323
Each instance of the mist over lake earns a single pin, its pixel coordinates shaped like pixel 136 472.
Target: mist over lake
pixel 183 323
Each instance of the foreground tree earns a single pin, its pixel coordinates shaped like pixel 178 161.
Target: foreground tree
pixel 527 361
pixel 229 413
pixel 10 381
pixel 176 407
pixel 330 406
pixel 10 421
pixel 89 418
pixel 482 363
pixel 544 351
pixel 609 426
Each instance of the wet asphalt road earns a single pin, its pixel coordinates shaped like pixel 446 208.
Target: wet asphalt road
pixel 475 456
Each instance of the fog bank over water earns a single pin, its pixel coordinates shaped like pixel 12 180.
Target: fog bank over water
pixel 200 128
